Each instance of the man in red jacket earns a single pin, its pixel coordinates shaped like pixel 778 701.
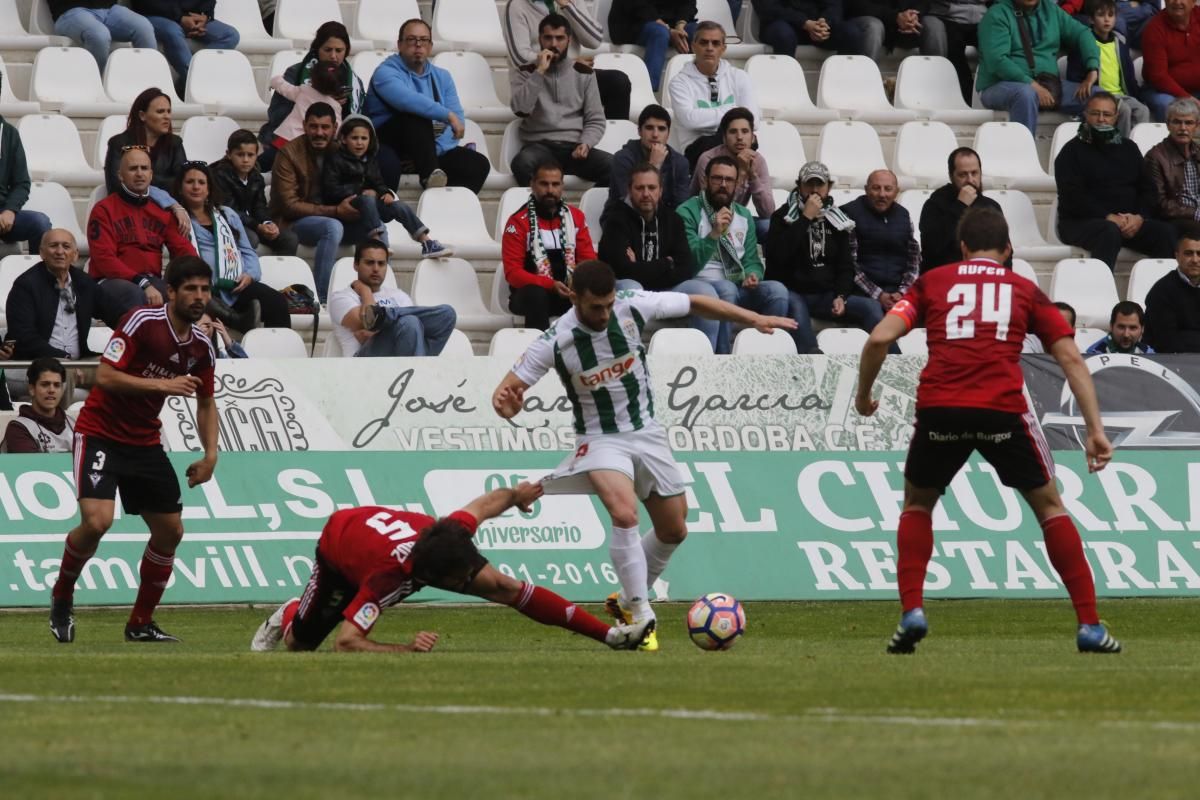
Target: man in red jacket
pixel 1171 56
pixel 127 233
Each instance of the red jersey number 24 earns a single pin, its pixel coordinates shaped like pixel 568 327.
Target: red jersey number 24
pixel 978 302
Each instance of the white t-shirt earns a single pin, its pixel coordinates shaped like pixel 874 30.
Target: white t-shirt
pixel 343 301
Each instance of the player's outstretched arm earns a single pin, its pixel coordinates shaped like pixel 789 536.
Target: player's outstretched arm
pixel 351 640
pixel 114 380
pixel 891 328
pixel 496 502
pixel 1099 449
pixel 206 417
pixel 509 396
pixel 713 308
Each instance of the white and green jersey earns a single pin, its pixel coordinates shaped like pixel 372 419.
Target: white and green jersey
pixel 604 372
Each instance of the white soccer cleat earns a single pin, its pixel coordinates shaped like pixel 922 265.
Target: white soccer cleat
pixel 270 633
pixel 630 637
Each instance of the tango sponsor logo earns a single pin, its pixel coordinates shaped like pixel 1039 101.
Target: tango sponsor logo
pixel 605 372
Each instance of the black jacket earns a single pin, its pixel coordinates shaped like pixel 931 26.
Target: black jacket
pixel 1173 315
pixel 33 305
pixel 627 17
pixel 167 160
pixel 674 175
pixel 939 225
pixel 796 12
pixel 790 259
pixel 248 199
pixel 885 11
pixel 174 9
pixel 1097 180
pixel 625 229
pixel 345 174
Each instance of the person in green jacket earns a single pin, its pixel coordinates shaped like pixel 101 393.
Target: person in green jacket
pixel 1019 42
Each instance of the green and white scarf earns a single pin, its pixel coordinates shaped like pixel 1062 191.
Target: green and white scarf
pixel 537 249
pixel 228 269
pixel 726 249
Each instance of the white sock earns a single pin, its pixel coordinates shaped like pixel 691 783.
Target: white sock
pixel 630 563
pixel 658 553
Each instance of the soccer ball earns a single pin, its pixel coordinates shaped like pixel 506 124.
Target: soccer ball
pixel 715 621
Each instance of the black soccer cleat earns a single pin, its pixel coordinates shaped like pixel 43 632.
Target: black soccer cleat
pixel 148 633
pixel 912 629
pixel 62 619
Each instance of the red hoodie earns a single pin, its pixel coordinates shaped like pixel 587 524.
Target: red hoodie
pixel 1171 57
pixel 127 238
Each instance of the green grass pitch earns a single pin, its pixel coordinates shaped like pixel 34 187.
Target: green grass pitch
pixel 995 704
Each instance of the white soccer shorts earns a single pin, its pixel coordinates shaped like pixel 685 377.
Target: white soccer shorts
pixel 643 455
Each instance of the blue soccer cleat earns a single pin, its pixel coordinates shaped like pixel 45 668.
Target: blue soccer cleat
pixel 912 628
pixel 1096 639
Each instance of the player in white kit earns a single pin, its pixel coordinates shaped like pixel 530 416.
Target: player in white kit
pixel 621 451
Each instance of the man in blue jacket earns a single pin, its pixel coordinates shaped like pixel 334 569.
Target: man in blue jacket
pixel 419 118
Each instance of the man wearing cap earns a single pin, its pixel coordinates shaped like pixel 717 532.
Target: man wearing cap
pixel 809 251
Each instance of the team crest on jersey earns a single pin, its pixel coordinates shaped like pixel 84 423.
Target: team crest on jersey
pixel 366 616
pixel 94 477
pixel 191 364
pixel 582 451
pixel 174 359
pixel 630 328
pixel 115 349
pixel 605 372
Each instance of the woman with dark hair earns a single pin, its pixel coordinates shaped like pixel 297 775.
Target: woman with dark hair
pixel 331 45
pixel 149 127
pixel 238 298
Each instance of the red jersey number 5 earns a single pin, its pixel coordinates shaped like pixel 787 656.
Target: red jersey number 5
pixel 994 304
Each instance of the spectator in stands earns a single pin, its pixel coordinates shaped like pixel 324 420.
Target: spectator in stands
pixel 884 247
pixel 51 305
pixel 1117 75
pixel 945 207
pixel 94 24
pixel 1173 166
pixel 1170 57
pixel 896 24
pixel 373 320
pixel 960 25
pixel 296 196
pixel 126 233
pixel 245 191
pixel 559 103
pixel 724 247
pixel 16 223
pixel 180 23
pixel 223 344
pixel 1125 328
pixel 322 87
pixel 415 108
pixel 239 299
pixel 522 33
pixel 542 243
pixel 352 171
pixel 754 180
pixel 1173 302
pixel 705 89
pixel 1131 16
pixel 1019 42
pixel 655 25
pixel 654 129
pixel 330 45
pixel 647 248
pixel 786 24
pixel 808 250
pixel 1033 342
pixel 1068 312
pixel 149 127
pixel 41 426
pixel 1103 192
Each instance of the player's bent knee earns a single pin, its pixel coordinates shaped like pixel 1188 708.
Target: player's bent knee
pixel 671 535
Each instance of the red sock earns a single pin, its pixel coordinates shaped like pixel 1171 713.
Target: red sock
pixel 549 608
pixel 1065 549
pixel 289 614
pixel 72 564
pixel 155 572
pixel 914 543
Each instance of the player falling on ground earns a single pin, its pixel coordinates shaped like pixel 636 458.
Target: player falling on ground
pixel 621 452
pixel 976 314
pixel 372 557
pixel 154 353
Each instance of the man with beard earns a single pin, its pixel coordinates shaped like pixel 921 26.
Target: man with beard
pixel 154 353
pixel 754 179
pixel 945 207
pixel 724 247
pixel 559 103
pixel 1125 329
pixel 542 244
pixel 654 130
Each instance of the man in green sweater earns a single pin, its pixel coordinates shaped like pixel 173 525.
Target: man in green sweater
pixel 724 247
pixel 1019 42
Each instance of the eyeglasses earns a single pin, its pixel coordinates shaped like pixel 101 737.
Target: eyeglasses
pixel 423 41
pixel 719 180
pixel 129 147
pixel 67 295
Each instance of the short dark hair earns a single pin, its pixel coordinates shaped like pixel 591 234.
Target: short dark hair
pixel 593 277
pixel 544 166
pixel 1101 5
pixel 551 21
pixel 184 268
pixel 1125 308
pixel 643 168
pixel 733 114
pixel 654 111
pixel 319 109
pixel 983 229
pixel 239 138
pixel 958 153
pixel 708 25
pixel 45 364
pixel 718 161
pixel 442 549
pixel 1067 307
pixel 368 244
pixel 1189 230
pixel 413 21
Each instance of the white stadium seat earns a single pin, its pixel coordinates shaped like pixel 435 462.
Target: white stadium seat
pixel 718 11
pixel 54 152
pixel 344 274
pixel 592 206
pixel 109 127
pixel 469 25
pixel 279 272
pixel 97 338
pixel 298 20
pixel 851 150
pixel 13 35
pixel 617 133
pixel 247 18
pixel 455 216
pixel 1065 132
pixel 510 343
pixel 781 91
pixel 205 138
pixel 510 202
pixel 279 65
pixel 223 82
pixel 510 145
pixel 914 201
pixel 498 302
pixel 458 345
pixel 752 342
pixel 921 151
pixel 1023 231
pixel 53 200
pixel 843 196
pixel 1052 229
pixel 1086 337
pixel 453 281
pixel 10 105
pixel 274 343
pixel 680 342
pixel 11 268
pixel 496 179
pixel 473 81
pixel 1147 134
pixel 928 85
pixel 1088 285
pixel 132 70
pixel 365 62
pixel 842 341
pixel 780 144
pixel 1025 270
pixel 640 95
pixel 1145 273
pixel 1008 150
pixel 380 20
pixel 852 86
pixel 912 343
pixel 66 79
pixel 674 64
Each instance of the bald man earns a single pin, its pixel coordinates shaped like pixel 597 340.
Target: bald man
pixel 884 246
